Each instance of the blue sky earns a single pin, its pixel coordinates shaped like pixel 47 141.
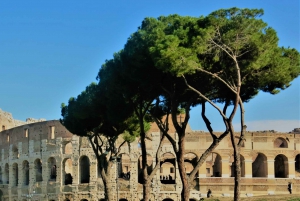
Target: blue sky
pixel 51 50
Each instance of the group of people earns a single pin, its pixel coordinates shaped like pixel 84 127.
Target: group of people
pixel 166 177
pixel 125 175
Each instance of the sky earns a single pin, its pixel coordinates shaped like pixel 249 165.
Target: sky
pixel 51 50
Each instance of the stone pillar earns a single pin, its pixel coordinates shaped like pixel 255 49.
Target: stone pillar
pixel 225 168
pixel 2 155
pixel 44 160
pixel 75 159
pixel 133 177
pixel 20 149
pixel 93 175
pixel 20 180
pixel 270 168
pixel 248 168
pixel 291 168
pixel 32 170
pixel 58 145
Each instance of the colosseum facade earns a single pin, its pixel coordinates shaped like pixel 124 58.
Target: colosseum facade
pixel 43 161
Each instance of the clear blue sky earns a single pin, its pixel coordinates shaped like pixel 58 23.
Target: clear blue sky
pixel 51 50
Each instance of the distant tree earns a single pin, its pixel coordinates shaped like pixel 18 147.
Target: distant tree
pixel 89 115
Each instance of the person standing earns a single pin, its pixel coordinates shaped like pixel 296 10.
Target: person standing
pixel 209 193
pixel 290 187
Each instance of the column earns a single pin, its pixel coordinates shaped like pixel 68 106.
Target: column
pixel 248 168
pixel 291 168
pixel 225 168
pixel 202 170
pixel 270 168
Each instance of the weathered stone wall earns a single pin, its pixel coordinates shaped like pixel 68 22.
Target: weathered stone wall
pixel 44 160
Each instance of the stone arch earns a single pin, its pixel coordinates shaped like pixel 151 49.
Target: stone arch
pixel 15 174
pixel 297 165
pixel 6 174
pixel 123 199
pixel 168 168
pixel 149 167
pixel 15 152
pixel 124 166
pixel 168 199
pixel 191 158
pixel 188 167
pixel 38 170
pixel 84 162
pixel 25 172
pixel 83 200
pixel 242 162
pixel 259 165
pixel 67 171
pixel 280 143
pixel 68 148
pixel 281 166
pixel 214 165
pixel 52 169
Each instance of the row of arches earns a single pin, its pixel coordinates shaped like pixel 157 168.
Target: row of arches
pixel 168 175
pixel 23 171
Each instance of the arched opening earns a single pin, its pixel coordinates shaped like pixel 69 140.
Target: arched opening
pixel 149 167
pixel 6 174
pixel 15 174
pixel 123 199
pixel 297 165
pixel 1 195
pixel 259 165
pixel 167 169
pixel 242 162
pixel 190 161
pixel 25 167
pixel 281 166
pixel 188 167
pixel 15 152
pixel 192 199
pixel 214 165
pixel 124 167
pixel 67 171
pixel 83 200
pixel 1 181
pixel 84 170
pixel 52 169
pixel 280 143
pixel 38 170
pixel 167 199
pixel 68 148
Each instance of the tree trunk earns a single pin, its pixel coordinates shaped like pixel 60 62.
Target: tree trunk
pixel 237 176
pixel 146 191
pixel 237 165
pixel 185 193
pixel 109 192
